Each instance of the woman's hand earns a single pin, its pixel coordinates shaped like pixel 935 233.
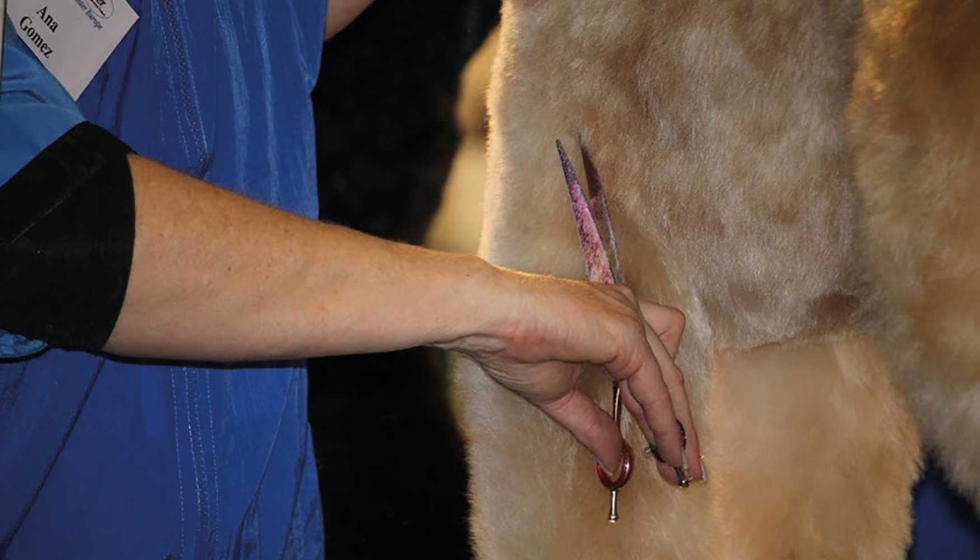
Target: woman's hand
pixel 546 328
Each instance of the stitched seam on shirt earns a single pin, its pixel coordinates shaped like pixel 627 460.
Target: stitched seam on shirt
pixel 300 471
pixel 12 534
pixel 180 482
pixel 198 460
pixel 187 89
pixel 268 459
pixel 214 454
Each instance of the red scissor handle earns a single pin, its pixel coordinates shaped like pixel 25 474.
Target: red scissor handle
pixel 624 475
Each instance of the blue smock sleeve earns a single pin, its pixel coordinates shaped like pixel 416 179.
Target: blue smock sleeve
pixel 34 109
pixel 34 112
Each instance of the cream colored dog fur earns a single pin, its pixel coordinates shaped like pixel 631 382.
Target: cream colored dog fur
pixel 731 138
pixel 915 115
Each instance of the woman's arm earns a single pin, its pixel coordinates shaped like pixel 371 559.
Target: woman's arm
pixel 216 276
pixel 340 13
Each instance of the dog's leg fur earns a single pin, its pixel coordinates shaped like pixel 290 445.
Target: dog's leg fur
pixel 719 131
pixel 916 123
pixel 805 477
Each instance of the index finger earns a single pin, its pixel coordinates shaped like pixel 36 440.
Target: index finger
pixel 590 425
pixel 667 322
pixel 637 366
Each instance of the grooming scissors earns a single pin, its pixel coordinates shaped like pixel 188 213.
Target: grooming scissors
pixel 602 265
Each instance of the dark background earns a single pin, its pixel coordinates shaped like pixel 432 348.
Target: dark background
pixel 390 460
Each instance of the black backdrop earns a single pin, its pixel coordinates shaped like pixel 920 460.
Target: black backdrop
pixel 390 461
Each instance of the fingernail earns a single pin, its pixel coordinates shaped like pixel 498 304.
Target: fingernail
pixel 704 471
pixel 613 474
pixel 652 450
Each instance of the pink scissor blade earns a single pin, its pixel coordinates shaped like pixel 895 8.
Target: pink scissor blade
pixel 600 213
pixel 593 249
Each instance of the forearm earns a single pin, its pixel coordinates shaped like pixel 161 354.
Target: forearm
pixel 340 13
pixel 216 276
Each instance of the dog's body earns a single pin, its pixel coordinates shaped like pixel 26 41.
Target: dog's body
pixel 915 115
pixel 719 130
pixel 803 180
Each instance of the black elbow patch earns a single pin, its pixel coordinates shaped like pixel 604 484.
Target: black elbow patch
pixel 67 227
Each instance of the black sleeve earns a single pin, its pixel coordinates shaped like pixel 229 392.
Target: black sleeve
pixel 67 227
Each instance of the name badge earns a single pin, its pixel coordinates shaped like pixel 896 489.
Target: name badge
pixel 72 38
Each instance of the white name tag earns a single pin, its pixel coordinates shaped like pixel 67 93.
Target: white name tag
pixel 72 38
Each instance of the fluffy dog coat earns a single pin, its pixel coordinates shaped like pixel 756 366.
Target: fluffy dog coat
pixel 915 117
pixel 721 131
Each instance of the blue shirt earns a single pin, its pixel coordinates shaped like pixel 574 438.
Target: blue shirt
pixel 120 459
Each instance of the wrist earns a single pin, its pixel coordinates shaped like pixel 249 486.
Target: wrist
pixel 500 309
pixel 483 294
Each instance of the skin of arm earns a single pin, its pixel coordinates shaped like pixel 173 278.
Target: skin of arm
pixel 340 13
pixel 219 277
